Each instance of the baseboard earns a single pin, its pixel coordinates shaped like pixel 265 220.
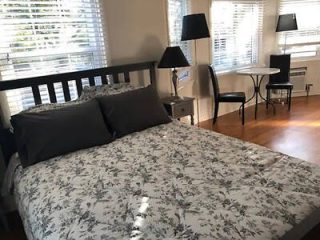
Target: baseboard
pixel 302 94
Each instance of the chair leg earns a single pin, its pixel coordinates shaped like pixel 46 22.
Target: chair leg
pixel 289 103
pixel 243 113
pixel 216 110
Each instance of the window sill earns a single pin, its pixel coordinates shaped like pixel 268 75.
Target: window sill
pixel 305 59
pixel 234 70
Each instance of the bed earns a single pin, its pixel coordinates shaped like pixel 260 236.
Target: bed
pixel 171 181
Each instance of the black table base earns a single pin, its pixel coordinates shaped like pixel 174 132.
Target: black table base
pixel 257 93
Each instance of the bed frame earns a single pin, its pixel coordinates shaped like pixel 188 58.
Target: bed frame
pixel 108 75
pixel 104 73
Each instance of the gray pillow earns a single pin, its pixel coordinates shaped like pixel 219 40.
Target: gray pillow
pixel 51 106
pixel 43 135
pixel 133 111
pixel 107 89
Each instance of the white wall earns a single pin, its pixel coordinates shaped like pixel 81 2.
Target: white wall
pixel 137 31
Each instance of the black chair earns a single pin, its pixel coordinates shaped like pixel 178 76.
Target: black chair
pixel 280 81
pixel 224 97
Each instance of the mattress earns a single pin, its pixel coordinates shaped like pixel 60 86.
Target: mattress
pixel 171 181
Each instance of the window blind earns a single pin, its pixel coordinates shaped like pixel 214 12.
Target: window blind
pixel 176 10
pixel 237 31
pixel 305 41
pixel 42 37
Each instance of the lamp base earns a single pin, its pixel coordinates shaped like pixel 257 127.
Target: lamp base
pixel 175 97
pixel 175 82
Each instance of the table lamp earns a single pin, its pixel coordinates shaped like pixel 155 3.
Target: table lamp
pixel 173 57
pixel 287 22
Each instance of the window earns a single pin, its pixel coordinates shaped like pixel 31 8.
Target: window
pixel 304 42
pixel 176 10
pixel 237 31
pixel 48 37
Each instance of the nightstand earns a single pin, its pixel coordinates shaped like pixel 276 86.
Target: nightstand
pixel 178 107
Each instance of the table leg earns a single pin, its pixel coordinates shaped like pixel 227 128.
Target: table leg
pixel 263 98
pixel 256 94
pixel 253 95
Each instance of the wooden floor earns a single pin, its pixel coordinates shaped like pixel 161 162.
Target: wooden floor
pixel 296 133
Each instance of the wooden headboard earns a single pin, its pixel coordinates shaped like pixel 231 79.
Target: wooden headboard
pixel 112 73
pixel 64 78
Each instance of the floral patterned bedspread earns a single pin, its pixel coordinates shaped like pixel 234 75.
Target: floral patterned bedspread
pixel 172 181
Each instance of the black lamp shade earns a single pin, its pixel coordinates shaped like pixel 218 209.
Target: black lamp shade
pixel 173 57
pixel 287 22
pixel 194 27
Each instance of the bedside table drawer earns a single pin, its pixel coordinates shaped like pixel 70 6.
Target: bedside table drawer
pixel 181 110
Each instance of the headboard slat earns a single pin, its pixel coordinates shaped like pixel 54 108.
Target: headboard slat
pixel 115 78
pixel 52 93
pixel 36 94
pixel 91 81
pixel 79 86
pixel 66 91
pixel 126 76
pixel 152 73
pixel 104 79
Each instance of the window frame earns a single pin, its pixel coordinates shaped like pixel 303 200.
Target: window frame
pixel 281 45
pixel 259 42
pixel 188 44
pixel 93 53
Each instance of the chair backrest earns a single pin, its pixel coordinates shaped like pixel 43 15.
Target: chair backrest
pixel 283 63
pixel 215 83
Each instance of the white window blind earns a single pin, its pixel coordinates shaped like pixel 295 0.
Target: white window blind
pixel 237 31
pixel 304 42
pixel 42 37
pixel 176 10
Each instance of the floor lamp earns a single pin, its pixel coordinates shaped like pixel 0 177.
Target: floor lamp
pixel 287 22
pixel 195 27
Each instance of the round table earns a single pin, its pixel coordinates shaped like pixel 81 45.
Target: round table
pixel 257 74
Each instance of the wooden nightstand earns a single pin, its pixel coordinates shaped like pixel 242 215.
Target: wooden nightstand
pixel 178 107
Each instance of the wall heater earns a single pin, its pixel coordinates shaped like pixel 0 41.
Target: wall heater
pixel 298 78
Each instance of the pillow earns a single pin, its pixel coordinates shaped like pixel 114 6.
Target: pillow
pixel 96 91
pixel 51 106
pixel 133 111
pixel 41 136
